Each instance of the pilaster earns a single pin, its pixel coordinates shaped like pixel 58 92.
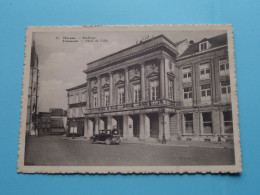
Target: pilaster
pixel 162 78
pixel 143 81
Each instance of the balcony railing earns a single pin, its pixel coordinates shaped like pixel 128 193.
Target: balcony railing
pixel 143 104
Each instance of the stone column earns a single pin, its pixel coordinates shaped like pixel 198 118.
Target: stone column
pixel 162 78
pixel 98 92
pixel 143 81
pixel 109 122
pixel 196 123
pixel 146 127
pixel 164 127
pixel 142 127
pixel 85 127
pixel 90 129
pixel 96 125
pixel 111 88
pixel 101 124
pixel 125 126
pixel 89 94
pixel 126 85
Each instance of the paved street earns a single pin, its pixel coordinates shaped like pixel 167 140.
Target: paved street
pixel 59 150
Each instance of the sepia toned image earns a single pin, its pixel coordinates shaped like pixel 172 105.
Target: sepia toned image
pixel 129 99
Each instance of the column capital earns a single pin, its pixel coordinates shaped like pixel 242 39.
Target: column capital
pixel 142 63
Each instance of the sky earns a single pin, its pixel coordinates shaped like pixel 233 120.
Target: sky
pixel 61 64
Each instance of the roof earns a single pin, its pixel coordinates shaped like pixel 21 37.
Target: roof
pixel 179 42
pixel 133 46
pixel 216 41
pixel 77 87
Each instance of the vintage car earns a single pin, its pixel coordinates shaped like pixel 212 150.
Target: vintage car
pixel 106 136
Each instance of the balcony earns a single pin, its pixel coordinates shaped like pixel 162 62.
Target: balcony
pixel 136 105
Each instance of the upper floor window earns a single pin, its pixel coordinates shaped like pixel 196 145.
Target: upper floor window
pixel 170 89
pixel 205 91
pixel 187 93
pixel 204 71
pixel 95 99
pixel 225 87
pixel 77 98
pixel 137 93
pixel 203 46
pixel 154 90
pixel 186 72
pixel 223 67
pixel 121 94
pixel 71 99
pixel 106 98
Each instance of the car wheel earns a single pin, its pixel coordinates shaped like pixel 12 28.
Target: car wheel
pixel 108 142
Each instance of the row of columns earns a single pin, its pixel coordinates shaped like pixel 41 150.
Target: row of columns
pixel 162 82
pixel 128 126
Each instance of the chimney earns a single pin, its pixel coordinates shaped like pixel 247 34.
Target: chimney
pixel 191 42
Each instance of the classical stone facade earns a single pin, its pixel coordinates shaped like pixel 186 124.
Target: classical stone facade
pixel 160 90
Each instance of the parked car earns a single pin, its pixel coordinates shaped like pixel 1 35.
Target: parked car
pixel 106 136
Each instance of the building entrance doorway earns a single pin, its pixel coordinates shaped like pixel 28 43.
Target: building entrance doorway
pixel 119 124
pixel 154 125
pixel 136 125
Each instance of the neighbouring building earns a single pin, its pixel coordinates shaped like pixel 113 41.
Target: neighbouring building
pixel 76 105
pixel 44 123
pixel 31 119
pixel 158 89
pixel 57 119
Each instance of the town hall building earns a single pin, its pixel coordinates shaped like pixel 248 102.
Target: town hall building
pixel 159 90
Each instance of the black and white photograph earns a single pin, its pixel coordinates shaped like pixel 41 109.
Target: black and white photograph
pixel 129 99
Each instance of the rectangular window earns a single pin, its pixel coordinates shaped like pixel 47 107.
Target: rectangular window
pixel 71 99
pixel 95 99
pixel 188 123
pixel 137 93
pixel 186 74
pixel 203 46
pixel 106 98
pixel 225 87
pixel 77 98
pixel 228 122
pixel 121 94
pixel 223 67
pixel 204 71
pixel 187 93
pixel 205 91
pixel 170 89
pixel 207 123
pixel 154 90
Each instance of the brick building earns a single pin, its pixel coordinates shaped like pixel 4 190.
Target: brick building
pixel 57 121
pixel 76 103
pixel 159 89
pixel 44 123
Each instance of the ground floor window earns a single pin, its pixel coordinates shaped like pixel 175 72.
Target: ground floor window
pixel 228 122
pixel 207 123
pixel 188 123
pixel 73 129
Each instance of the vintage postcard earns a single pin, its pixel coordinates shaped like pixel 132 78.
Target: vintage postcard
pixel 129 99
